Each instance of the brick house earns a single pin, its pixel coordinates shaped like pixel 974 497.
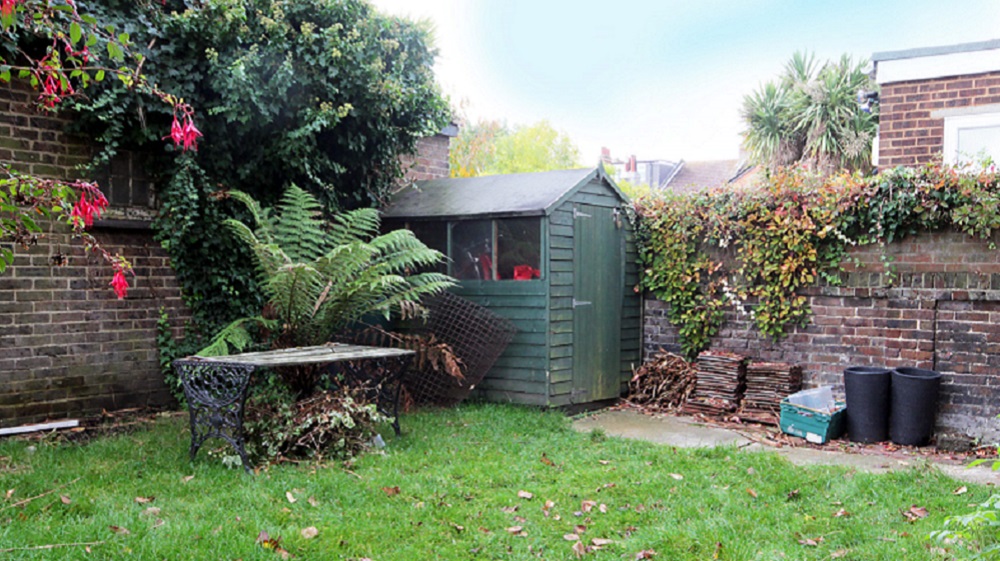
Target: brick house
pixel 938 102
pixel 68 347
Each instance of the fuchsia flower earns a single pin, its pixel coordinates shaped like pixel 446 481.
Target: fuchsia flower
pixel 119 284
pixel 91 203
pixel 7 7
pixel 183 132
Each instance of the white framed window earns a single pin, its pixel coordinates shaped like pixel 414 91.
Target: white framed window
pixel 972 138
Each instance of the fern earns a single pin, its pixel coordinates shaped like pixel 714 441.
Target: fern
pixel 320 279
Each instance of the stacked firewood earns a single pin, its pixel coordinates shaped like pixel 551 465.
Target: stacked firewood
pixel 720 386
pixel 662 383
pixel 767 384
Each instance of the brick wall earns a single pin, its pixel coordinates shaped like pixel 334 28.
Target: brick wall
pixel 940 310
pixel 68 347
pixel 431 159
pixel 908 134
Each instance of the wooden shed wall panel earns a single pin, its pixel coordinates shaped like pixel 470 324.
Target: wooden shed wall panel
pixel 509 385
pixel 519 398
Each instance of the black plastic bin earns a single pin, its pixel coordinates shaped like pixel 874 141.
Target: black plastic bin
pixel 914 405
pixel 868 399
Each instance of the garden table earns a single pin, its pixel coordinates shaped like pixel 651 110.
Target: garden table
pixel 216 387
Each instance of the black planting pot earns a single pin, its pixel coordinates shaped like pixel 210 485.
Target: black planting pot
pixel 914 405
pixel 867 393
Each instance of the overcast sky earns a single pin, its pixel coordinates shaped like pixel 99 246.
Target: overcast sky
pixel 660 79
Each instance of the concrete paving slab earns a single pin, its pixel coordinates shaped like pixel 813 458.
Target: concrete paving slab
pixel 685 432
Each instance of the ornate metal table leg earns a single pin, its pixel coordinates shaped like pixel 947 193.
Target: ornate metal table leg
pixel 380 373
pixel 216 393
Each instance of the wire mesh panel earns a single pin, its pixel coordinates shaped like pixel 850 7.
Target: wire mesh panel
pixel 476 335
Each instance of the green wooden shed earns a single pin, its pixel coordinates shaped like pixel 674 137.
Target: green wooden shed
pixel 553 252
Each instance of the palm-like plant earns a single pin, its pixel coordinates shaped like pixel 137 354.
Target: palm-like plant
pixel 811 114
pixel 320 278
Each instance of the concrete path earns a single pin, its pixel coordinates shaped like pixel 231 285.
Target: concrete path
pixel 685 432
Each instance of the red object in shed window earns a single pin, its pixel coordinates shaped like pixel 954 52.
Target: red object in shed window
pixel 526 272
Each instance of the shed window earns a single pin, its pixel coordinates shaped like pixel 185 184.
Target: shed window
pixel 472 256
pixel 435 236
pixel 503 249
pixel 519 245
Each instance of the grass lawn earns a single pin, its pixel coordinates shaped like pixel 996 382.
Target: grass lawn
pixel 449 489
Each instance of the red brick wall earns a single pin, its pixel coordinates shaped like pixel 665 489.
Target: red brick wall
pixel 939 310
pixel 68 347
pixel 908 135
pixel 431 159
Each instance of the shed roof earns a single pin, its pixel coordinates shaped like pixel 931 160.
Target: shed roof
pixel 519 194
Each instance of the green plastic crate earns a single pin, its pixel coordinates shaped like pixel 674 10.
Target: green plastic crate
pixel 815 426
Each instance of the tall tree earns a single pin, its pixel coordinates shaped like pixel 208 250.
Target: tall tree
pixel 490 148
pixel 811 114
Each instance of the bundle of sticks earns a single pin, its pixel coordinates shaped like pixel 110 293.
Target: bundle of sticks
pixel 721 381
pixel 665 382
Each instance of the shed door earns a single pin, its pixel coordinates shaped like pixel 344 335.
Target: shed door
pixel 597 304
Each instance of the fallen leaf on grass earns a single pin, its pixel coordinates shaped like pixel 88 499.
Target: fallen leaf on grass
pixel 509 509
pixel 144 500
pixel 792 495
pixel 65 500
pixel 9 494
pixel 838 554
pixel 291 498
pixel 547 461
pixel 579 528
pixel 645 554
pixel 915 513
pixel 752 492
pixel 571 537
pixel 676 476
pixel 391 491
pixel 586 506
pixel 525 495
pixel 602 508
pixel 603 462
pixel 309 533
pixel 485 530
pixel 601 542
pixel 187 478
pixel 579 549
pixel 458 528
pixel 811 542
pixel 120 530
pixel 151 511
pixel 517 531
pixel 312 501
pixel 960 491
pixel 841 513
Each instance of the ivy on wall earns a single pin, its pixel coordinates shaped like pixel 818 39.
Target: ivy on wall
pixel 754 249
pixel 326 95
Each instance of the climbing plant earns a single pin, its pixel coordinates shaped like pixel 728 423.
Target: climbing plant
pixel 754 250
pixel 325 95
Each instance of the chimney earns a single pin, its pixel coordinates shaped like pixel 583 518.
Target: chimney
pixel 605 154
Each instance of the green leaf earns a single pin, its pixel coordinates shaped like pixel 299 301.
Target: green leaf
pixel 123 38
pixel 99 76
pixel 75 33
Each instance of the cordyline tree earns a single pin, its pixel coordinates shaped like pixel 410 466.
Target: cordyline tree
pixel 321 94
pixel 60 49
pixel 810 114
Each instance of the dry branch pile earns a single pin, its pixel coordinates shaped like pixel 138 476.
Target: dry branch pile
pixel 662 383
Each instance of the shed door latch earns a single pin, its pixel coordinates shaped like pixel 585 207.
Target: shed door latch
pixel 580 303
pixel 578 214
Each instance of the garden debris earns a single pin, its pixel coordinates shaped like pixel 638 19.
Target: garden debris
pixel 49 492
pixel 662 383
pixel 721 381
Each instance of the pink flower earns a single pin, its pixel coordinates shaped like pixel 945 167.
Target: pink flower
pixel 176 132
pixel 119 284
pixel 84 211
pixel 191 135
pixel 7 7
